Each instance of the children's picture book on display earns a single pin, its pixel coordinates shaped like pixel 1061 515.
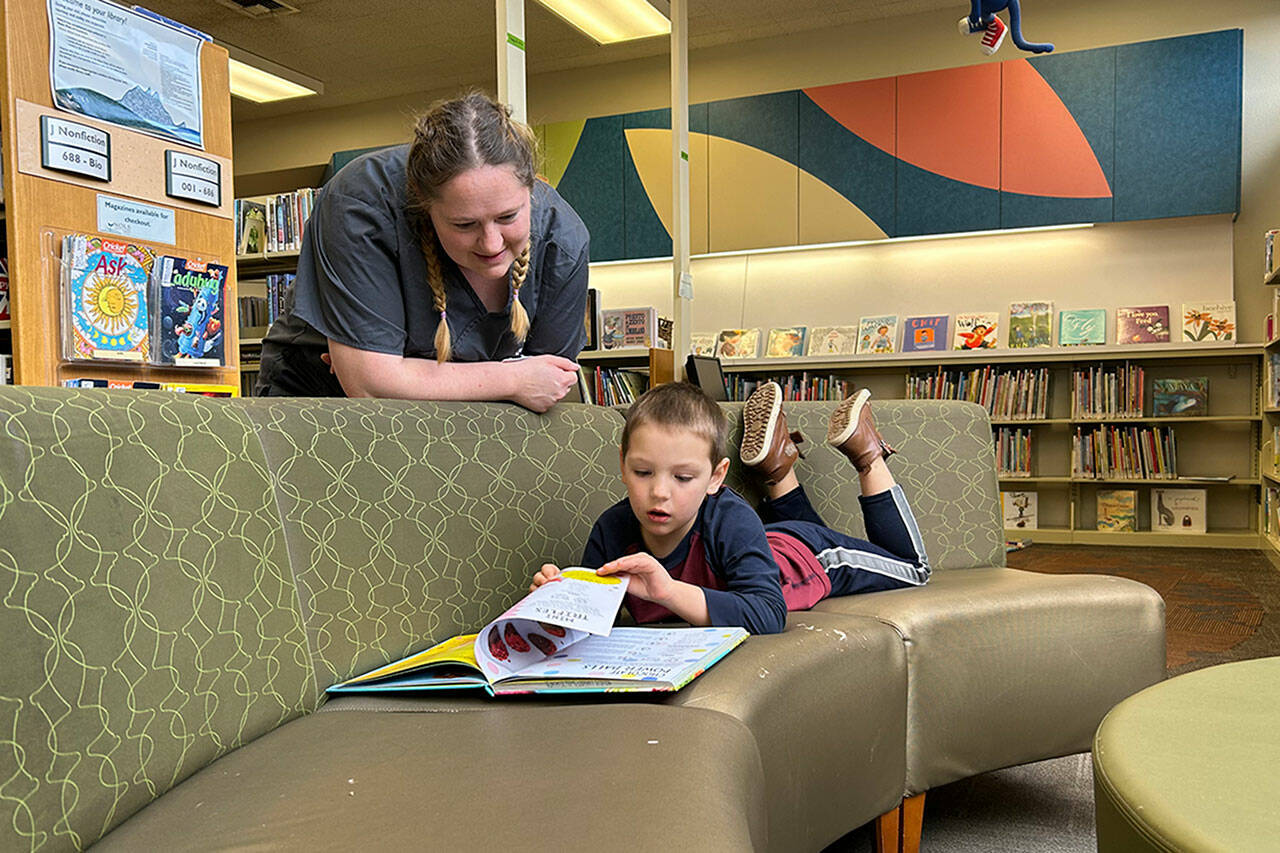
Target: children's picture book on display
pixel 738 343
pixel 1082 327
pixel 1208 322
pixel 878 334
pixel 833 340
pixel 253 227
pixel 1182 397
pixel 1118 510
pixel 558 639
pixel 1030 324
pixel 786 342
pixel 1143 324
pixel 1273 380
pixel 702 343
pixel 977 330
pixel 591 319
pixel 1179 510
pixel 926 333
pixel 628 327
pixel 4 289
pixel 1020 509
pixel 105 311
pixel 187 329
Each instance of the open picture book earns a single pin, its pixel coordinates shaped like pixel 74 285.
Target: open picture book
pixel 558 639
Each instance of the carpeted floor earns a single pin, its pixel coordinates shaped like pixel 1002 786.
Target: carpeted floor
pixel 1221 605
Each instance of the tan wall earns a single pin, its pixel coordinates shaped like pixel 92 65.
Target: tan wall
pixel 878 49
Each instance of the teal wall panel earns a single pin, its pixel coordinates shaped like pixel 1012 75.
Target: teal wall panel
pixel 593 184
pixel 768 122
pixel 1178 106
pixel 859 171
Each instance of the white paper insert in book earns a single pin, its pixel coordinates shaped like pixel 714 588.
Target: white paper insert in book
pixel 558 639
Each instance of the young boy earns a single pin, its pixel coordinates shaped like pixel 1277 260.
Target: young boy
pixel 697 551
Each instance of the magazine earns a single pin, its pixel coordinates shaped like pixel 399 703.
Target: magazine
pixel 923 334
pixel 187 329
pixel 878 334
pixel 558 639
pixel 105 312
pixel 1180 397
pixel 1030 324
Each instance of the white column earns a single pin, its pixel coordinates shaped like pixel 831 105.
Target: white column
pixel 511 88
pixel 682 279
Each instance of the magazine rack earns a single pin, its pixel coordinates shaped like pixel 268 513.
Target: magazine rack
pixel 38 200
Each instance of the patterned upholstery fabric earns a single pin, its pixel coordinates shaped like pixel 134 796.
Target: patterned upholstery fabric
pixel 408 523
pixel 149 620
pixel 945 464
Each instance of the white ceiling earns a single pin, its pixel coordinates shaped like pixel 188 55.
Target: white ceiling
pixel 363 50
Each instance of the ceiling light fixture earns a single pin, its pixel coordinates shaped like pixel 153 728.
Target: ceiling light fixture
pixel 610 21
pixel 263 81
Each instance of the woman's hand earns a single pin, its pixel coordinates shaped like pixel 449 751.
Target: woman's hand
pixel 546 573
pixel 543 380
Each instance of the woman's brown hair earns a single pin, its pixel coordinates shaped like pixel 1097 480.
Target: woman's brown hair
pixel 454 136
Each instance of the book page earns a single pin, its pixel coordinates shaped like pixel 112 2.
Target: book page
pixel 561 612
pixel 638 654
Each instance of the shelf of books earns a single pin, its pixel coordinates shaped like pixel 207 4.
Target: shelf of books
pixel 1136 444
pixel 1269 454
pixel 619 376
pixel 119 242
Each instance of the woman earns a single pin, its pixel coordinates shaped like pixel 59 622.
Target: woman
pixel 439 270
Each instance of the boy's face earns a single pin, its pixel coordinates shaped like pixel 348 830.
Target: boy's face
pixel 667 473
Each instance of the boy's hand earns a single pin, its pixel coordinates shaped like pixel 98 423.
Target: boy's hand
pixel 546 573
pixel 649 580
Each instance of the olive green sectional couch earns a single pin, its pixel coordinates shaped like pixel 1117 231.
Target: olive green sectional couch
pixel 182 577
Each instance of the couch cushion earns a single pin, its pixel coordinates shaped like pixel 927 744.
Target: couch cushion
pixel 149 621
pixel 824 701
pixel 945 464
pixel 1006 666
pixel 525 777
pixel 409 522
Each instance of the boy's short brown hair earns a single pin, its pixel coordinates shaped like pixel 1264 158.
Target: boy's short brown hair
pixel 680 405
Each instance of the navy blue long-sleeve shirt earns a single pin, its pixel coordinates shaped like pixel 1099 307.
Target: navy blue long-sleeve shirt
pixel 725 552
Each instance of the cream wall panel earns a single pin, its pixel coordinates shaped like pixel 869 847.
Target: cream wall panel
pixel 828 217
pixel 753 198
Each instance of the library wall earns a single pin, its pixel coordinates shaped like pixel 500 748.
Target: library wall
pixel 876 49
pixel 1163 262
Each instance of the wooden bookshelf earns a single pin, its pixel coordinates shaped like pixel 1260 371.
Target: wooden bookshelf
pixel 1225 441
pixel 41 205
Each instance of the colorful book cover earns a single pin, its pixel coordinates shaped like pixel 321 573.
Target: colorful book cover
pixel 105 298
pixel 1030 324
pixel 1180 397
pixel 1179 510
pixel 1208 322
pixel 1273 380
pixel 628 327
pixel 188 326
pixel 833 340
pixel 977 330
pixel 878 334
pixel 1117 509
pixel 1082 327
pixel 1146 324
pixel 1020 509
pixel 786 342
pixel 738 343
pixel 702 343
pixel 253 227
pixel 4 289
pixel 925 334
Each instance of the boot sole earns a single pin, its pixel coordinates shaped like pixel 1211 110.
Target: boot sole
pixel 755 436
pixel 844 420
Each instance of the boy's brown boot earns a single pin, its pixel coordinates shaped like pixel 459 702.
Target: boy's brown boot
pixel 767 447
pixel 852 431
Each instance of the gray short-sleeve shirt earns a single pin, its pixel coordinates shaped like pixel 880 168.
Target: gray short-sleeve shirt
pixel 362 281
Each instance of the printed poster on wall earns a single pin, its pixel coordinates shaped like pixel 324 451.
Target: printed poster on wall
pixel 113 64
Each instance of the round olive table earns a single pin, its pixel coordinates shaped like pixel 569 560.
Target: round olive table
pixel 1193 763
